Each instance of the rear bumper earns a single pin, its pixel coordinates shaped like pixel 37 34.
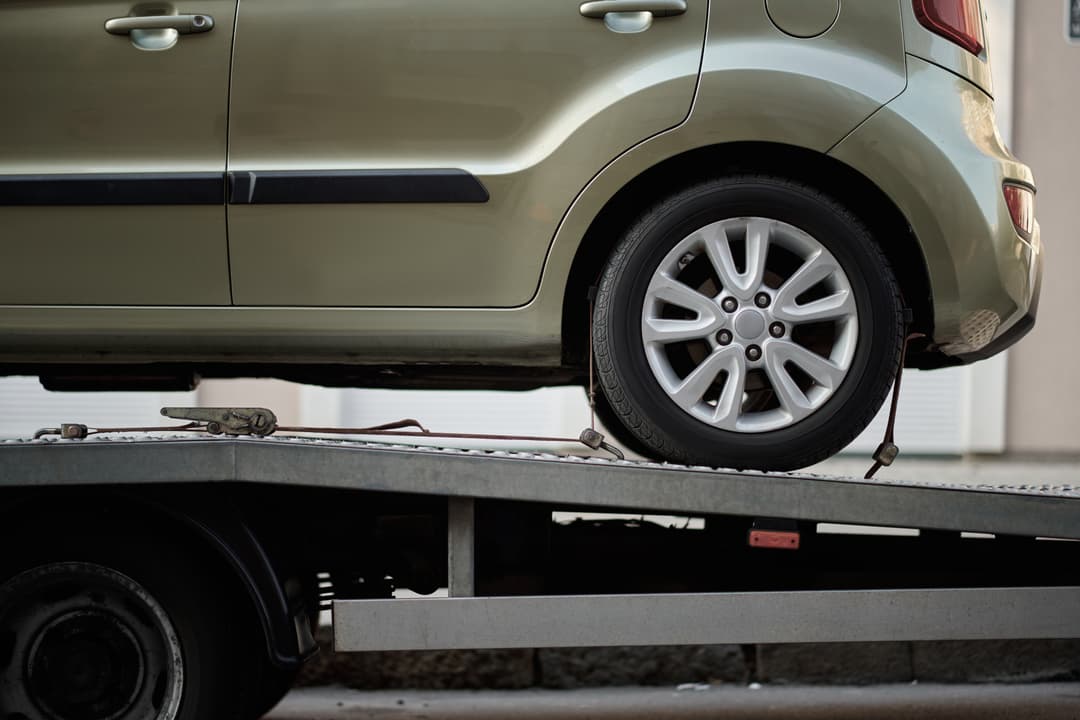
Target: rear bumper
pixel 936 152
pixel 1018 329
pixel 1003 341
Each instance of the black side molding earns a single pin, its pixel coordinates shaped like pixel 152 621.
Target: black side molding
pixel 113 189
pixel 262 187
pixel 355 186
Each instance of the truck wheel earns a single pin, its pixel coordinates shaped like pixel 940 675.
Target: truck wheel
pixel 748 322
pixel 122 631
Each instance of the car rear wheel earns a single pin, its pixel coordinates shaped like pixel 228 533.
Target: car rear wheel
pixel 748 322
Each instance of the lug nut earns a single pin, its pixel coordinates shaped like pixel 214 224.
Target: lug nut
pixel 724 337
pixel 729 304
pixel 753 352
pixel 762 300
pixel 776 329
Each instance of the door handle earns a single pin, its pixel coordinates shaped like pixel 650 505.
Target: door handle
pixel 182 24
pixel 158 32
pixel 658 8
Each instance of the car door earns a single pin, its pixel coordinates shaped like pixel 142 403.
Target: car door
pixel 422 152
pixel 112 152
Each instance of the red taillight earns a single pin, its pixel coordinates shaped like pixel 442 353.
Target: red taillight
pixel 956 20
pixel 1021 202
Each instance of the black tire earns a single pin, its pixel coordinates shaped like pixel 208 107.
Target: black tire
pixel 643 407
pixel 210 625
pixel 612 424
pixel 274 684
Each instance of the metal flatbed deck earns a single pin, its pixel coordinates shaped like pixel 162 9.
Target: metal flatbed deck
pixel 465 476
pixel 1023 510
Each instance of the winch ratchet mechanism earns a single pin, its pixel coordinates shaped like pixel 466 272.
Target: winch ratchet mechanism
pixel 227 421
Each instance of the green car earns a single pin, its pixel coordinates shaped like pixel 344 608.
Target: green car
pixel 735 211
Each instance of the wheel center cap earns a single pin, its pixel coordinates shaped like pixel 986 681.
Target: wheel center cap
pixel 750 324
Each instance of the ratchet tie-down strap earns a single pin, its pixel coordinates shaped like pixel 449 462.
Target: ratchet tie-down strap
pixel 261 422
pixel 887 450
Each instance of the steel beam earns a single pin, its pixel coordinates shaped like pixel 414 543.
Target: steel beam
pixel 707 618
pixel 461 546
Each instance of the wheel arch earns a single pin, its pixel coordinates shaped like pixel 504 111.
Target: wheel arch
pixel 221 535
pixel 849 187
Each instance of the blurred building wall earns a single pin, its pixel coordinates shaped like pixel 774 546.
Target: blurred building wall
pixel 282 397
pixel 1044 379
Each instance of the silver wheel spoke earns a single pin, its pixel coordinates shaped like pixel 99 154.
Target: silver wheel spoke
pixel 670 290
pixel 817 267
pixel 729 406
pixel 822 370
pixel 834 307
pixel 791 398
pixel 693 387
pixel 757 250
pixel 668 331
pixel 718 247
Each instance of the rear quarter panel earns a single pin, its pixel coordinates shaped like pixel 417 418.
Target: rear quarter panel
pixel 759 84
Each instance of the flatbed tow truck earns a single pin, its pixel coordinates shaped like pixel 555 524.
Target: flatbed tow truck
pixel 160 556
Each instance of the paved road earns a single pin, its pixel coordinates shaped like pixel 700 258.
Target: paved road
pixel 1052 701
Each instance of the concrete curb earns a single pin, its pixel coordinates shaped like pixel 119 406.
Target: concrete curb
pixel 1011 661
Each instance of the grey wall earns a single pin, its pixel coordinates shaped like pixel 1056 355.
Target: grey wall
pixel 1044 370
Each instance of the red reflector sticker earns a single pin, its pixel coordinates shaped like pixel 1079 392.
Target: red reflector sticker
pixel 774 539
